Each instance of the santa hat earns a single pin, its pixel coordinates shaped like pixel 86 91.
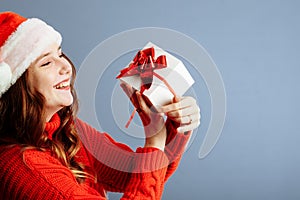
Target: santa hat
pixel 22 41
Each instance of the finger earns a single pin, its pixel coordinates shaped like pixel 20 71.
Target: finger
pixel 142 104
pixel 184 102
pixel 189 127
pixel 127 89
pixel 187 119
pixel 131 93
pixel 147 101
pixel 184 112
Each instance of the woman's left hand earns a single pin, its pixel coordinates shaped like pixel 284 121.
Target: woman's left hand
pixel 184 111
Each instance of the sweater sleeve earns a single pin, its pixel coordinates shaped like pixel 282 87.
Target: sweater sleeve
pixel 175 146
pixel 148 177
pixel 111 162
pixel 140 174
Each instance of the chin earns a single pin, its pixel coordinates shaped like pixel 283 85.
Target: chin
pixel 69 103
pixel 65 104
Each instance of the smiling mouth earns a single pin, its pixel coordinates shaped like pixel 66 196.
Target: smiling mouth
pixel 63 85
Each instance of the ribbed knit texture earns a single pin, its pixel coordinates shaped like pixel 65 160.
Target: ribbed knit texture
pixel 52 125
pixel 33 174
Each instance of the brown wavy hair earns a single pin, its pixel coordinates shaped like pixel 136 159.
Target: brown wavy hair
pixel 22 123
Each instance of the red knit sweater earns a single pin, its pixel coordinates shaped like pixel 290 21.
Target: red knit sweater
pixel 33 174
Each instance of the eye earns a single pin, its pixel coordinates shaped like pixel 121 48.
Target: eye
pixel 45 64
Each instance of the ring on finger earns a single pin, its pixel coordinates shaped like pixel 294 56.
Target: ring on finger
pixel 190 119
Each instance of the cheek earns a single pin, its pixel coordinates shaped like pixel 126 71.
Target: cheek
pixel 43 89
pixel 40 82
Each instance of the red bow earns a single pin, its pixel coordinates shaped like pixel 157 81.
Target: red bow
pixel 144 64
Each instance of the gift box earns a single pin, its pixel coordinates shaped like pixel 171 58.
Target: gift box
pixel 157 74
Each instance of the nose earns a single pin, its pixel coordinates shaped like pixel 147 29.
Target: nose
pixel 65 66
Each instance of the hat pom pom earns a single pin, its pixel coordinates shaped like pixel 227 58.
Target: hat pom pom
pixel 5 75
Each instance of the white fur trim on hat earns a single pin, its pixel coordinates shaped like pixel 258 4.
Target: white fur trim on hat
pixel 24 46
pixel 5 76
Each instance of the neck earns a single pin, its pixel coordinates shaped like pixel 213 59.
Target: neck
pixel 50 111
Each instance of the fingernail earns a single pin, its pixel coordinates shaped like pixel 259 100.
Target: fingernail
pixel 139 94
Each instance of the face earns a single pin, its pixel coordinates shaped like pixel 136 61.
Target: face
pixel 50 75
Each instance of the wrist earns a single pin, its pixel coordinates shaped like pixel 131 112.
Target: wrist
pixel 158 140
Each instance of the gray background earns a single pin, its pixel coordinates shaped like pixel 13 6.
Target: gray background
pixel 255 45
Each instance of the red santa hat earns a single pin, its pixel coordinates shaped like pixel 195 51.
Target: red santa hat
pixel 22 41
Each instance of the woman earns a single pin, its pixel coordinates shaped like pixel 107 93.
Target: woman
pixel 46 152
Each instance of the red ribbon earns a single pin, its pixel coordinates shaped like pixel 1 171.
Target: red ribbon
pixel 143 65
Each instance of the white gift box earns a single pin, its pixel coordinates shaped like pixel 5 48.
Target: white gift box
pixel 175 74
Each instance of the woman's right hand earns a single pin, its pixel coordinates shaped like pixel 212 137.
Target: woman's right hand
pixel 153 122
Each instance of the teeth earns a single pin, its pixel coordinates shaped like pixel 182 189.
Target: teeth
pixel 62 85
